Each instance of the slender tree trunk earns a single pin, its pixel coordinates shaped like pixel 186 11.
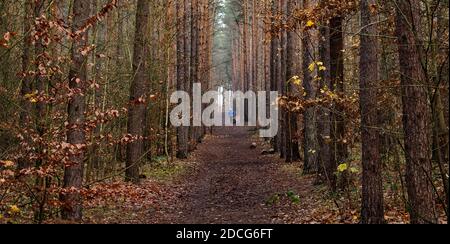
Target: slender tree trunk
pixel 76 136
pixel 138 94
pixel 188 65
pixel 292 145
pixel 278 75
pixel 210 21
pixel 245 54
pixel 255 39
pixel 273 67
pixel 268 59
pixel 195 131
pixel 282 79
pixel 182 131
pixel 100 35
pixel 339 151
pixel 326 166
pixel 310 144
pixel 372 195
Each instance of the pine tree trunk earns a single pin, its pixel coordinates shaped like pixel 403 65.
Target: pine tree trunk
pixel 274 68
pixel 255 47
pixel 282 80
pixel 416 115
pixel 182 131
pixel 372 195
pixel 327 168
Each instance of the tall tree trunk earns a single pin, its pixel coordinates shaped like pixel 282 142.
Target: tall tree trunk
pixel 182 131
pixel 245 54
pixel 138 93
pixel 292 144
pixel 372 195
pixel 339 152
pixel 76 136
pixel 188 64
pixel 282 78
pixel 327 168
pixel 268 59
pixel 277 77
pixel 310 143
pixel 255 47
pixel 195 131
pixel 210 20
pixel 416 115
pixel 98 39
pixel 274 67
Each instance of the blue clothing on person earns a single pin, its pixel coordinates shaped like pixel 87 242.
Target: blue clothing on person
pixel 232 113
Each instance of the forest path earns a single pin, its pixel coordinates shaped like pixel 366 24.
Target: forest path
pixel 235 184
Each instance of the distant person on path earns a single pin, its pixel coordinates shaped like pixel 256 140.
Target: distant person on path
pixel 232 114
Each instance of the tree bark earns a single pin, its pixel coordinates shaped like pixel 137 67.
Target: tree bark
pixel 339 149
pixel 292 144
pixel 255 46
pixel 310 143
pixel 327 168
pixel 372 211
pixel 138 94
pixel 182 131
pixel 416 115
pixel 282 79
pixel 76 136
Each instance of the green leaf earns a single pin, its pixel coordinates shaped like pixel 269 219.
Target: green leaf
pixel 290 194
pixel 296 199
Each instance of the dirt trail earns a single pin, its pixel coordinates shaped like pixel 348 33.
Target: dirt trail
pixel 233 185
